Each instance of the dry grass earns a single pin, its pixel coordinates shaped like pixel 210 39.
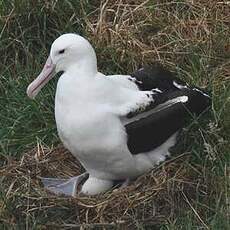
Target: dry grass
pixel 189 190
pixel 149 201
pixel 165 31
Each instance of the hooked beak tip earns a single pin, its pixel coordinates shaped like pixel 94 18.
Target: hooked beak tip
pixel 29 93
pixel 46 74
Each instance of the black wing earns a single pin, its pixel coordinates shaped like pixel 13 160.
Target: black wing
pixel 167 115
pixel 156 76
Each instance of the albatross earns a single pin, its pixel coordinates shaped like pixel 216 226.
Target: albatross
pixel 118 126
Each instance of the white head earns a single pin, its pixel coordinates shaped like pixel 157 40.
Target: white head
pixel 69 52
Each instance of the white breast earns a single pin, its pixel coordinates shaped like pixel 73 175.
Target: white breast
pixel 90 131
pixel 78 117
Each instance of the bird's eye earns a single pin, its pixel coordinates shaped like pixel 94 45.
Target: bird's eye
pixel 61 51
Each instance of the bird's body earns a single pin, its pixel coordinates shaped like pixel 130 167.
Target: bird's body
pixel 92 123
pixel 118 126
pixel 95 124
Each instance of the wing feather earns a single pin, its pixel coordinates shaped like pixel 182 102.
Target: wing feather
pixel 152 128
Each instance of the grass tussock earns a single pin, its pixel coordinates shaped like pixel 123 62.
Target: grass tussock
pixel 188 191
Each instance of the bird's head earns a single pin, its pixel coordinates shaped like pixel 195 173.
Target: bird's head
pixel 69 52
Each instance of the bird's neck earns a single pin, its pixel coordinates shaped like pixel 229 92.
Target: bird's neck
pixel 74 84
pixel 76 81
pixel 85 68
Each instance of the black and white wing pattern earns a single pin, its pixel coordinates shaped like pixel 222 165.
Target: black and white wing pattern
pixel 173 103
pixel 157 77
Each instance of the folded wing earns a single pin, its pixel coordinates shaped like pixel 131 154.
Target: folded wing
pixel 173 103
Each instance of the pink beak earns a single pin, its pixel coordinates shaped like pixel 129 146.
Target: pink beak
pixel 46 74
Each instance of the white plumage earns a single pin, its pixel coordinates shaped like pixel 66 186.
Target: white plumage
pixel 91 116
